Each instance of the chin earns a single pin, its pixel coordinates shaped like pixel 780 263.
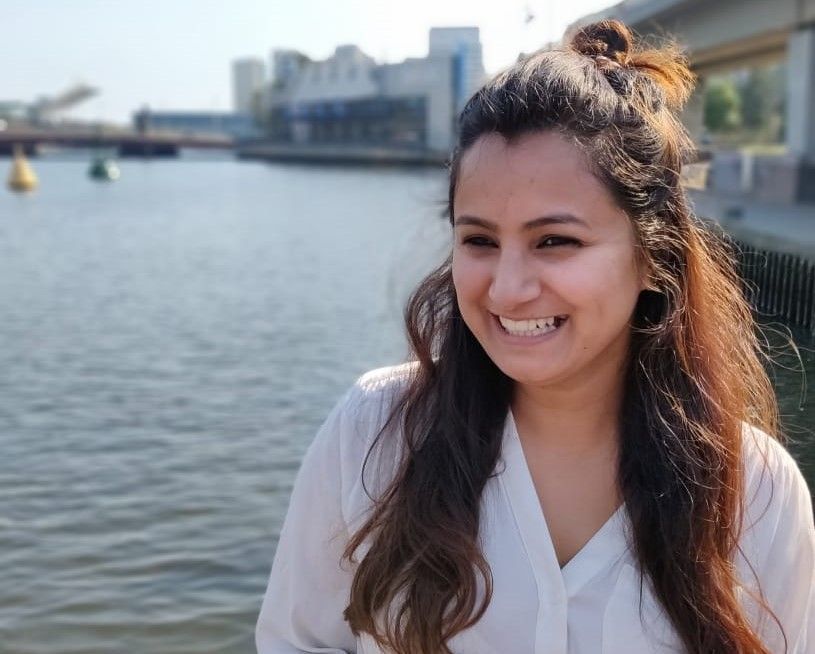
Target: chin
pixel 523 375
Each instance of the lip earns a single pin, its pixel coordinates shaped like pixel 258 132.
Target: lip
pixel 524 340
pixel 532 318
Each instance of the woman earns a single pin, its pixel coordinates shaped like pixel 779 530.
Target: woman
pixel 583 457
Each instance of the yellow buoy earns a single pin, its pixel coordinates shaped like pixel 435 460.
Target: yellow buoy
pixel 22 177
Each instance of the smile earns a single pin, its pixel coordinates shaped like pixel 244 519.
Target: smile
pixel 531 326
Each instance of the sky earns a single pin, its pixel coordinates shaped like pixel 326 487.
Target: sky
pixel 177 54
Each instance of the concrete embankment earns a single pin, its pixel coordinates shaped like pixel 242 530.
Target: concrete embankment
pixel 780 227
pixel 342 154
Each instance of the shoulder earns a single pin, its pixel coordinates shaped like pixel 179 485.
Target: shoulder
pixel 768 463
pixel 374 393
pixel 777 499
pixel 387 378
pixel 367 402
pixel 776 555
pixel 347 437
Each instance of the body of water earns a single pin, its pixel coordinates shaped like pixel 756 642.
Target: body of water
pixel 170 344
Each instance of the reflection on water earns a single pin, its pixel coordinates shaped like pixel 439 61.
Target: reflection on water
pixel 171 343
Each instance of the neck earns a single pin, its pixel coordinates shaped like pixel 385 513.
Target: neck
pixel 574 420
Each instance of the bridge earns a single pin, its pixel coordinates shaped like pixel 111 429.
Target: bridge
pixel 725 35
pixel 127 143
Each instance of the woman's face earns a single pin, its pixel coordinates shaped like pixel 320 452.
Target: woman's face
pixel 543 261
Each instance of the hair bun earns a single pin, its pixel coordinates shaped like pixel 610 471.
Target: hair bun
pixel 606 38
pixel 611 44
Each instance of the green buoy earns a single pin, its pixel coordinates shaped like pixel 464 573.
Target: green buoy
pixel 104 169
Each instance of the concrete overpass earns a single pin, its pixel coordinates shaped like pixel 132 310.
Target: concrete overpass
pixel 722 35
pixel 126 142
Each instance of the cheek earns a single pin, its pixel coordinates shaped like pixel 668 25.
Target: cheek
pixel 601 284
pixel 468 278
pixel 582 280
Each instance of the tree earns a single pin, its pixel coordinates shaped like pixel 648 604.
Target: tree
pixel 722 106
pixel 758 97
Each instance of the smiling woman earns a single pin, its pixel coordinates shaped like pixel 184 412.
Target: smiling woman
pixel 535 259
pixel 583 454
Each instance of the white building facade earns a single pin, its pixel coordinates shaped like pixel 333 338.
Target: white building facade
pixel 463 44
pixel 248 79
pixel 349 98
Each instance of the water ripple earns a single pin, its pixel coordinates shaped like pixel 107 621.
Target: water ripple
pixel 171 344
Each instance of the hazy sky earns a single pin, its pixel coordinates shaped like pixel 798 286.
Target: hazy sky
pixel 176 54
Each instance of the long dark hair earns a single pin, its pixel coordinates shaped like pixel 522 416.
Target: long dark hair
pixel 694 375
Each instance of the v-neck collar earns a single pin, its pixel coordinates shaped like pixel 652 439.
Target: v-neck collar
pixel 601 551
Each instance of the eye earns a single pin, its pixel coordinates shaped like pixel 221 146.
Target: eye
pixel 477 241
pixel 559 240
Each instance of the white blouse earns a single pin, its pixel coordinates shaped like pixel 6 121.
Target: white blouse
pixel 590 606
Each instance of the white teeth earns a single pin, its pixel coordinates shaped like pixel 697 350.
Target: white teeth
pixel 532 327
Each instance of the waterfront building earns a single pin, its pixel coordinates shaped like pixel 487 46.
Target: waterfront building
pixel 430 81
pixel 350 99
pixel 248 79
pixel 286 65
pixel 464 46
pixel 346 75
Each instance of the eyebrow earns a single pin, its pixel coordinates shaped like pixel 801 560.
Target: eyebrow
pixel 555 219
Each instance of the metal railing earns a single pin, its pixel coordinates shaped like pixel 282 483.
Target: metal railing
pixel 778 284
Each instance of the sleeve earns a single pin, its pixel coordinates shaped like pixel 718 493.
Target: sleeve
pixel 308 590
pixel 786 534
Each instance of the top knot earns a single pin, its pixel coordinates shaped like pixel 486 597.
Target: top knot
pixel 606 41
pixel 610 43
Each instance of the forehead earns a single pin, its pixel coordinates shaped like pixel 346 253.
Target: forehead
pixel 539 173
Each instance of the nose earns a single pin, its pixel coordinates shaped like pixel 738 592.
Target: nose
pixel 515 280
